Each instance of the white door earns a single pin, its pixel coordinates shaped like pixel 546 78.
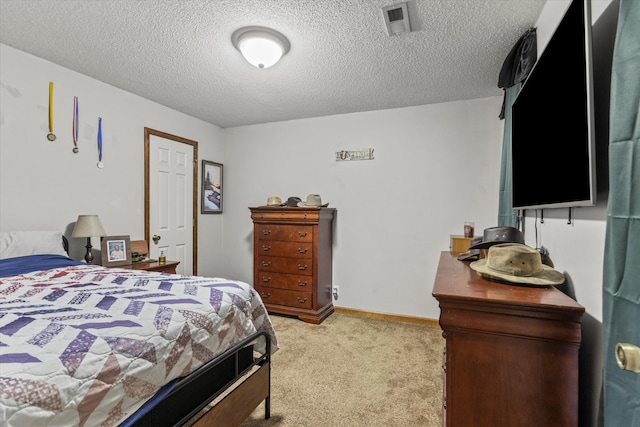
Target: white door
pixel 171 201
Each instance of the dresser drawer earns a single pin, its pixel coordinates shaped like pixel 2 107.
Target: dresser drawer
pixel 285 265
pixel 284 281
pixel 288 233
pixel 289 298
pixel 286 215
pixel 286 249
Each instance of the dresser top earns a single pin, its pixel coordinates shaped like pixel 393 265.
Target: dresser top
pixel 456 281
pixel 290 208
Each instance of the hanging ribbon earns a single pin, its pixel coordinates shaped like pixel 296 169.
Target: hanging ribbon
pixel 75 125
pixel 50 135
pixel 100 165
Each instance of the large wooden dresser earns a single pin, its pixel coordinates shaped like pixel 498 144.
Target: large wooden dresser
pixel 511 356
pixel 292 260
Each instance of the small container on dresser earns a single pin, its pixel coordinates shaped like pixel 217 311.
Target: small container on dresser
pixel 292 249
pixel 460 244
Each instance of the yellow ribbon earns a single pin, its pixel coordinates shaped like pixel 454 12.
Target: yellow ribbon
pixel 50 107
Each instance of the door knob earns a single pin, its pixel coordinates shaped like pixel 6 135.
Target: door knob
pixel 155 238
pixel 628 357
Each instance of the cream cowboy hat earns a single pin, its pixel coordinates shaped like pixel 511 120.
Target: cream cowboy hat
pixel 313 200
pixel 518 264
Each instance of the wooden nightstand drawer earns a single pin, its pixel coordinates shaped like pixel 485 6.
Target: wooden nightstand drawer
pixel 167 267
pixel 287 233
pixel 285 265
pixel 285 249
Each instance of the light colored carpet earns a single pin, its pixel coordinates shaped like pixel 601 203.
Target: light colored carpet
pixel 354 371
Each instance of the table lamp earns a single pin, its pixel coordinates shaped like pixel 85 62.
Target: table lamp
pixel 88 226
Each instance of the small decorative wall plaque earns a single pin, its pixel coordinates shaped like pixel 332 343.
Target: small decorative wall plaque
pixel 364 154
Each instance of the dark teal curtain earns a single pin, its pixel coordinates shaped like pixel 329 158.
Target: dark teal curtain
pixel 506 215
pixel 621 276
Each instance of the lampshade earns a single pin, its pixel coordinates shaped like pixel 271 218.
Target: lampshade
pixel 261 46
pixel 88 226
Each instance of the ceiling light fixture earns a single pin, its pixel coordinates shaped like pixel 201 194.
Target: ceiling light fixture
pixel 261 46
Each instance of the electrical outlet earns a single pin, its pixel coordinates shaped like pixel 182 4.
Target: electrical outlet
pixel 336 292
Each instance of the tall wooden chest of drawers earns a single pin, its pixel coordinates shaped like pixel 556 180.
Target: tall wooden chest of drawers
pixel 292 261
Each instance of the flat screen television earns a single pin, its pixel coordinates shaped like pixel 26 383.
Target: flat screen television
pixel 553 138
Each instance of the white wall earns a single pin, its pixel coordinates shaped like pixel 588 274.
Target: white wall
pixel 435 167
pixel 44 186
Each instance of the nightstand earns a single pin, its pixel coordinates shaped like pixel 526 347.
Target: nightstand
pixel 167 267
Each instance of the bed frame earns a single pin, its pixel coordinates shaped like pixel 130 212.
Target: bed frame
pixel 238 372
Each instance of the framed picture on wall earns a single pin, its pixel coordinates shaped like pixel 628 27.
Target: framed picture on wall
pixel 211 202
pixel 116 250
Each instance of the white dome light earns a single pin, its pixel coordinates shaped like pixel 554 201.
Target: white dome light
pixel 261 46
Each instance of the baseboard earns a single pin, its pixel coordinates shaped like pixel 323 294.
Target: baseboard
pixel 384 316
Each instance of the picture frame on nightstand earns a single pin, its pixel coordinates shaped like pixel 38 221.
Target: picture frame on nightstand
pixel 116 251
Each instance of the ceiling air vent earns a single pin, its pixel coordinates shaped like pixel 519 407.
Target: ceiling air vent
pixel 396 18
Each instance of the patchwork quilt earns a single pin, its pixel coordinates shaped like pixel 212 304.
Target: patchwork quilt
pixel 86 345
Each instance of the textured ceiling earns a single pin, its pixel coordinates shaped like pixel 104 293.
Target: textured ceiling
pixel 179 53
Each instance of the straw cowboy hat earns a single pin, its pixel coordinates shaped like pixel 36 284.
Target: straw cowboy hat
pixel 313 200
pixel 274 201
pixel 518 264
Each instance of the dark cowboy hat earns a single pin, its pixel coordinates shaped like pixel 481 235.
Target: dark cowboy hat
pixel 503 234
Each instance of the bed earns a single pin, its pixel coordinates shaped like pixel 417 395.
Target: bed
pixel 85 345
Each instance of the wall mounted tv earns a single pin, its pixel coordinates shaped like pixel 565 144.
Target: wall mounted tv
pixel 553 139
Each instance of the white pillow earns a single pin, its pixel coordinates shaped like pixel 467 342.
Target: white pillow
pixel 21 243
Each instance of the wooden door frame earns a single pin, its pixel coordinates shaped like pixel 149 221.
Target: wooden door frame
pixel 194 144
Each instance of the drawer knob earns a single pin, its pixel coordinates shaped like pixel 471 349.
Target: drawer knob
pixel 302 300
pixel 301 283
pixel 265 295
pixel 266 232
pixel 302 267
pixel 302 233
pixel 266 279
pixel 266 248
pixel 302 250
pixel 266 263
